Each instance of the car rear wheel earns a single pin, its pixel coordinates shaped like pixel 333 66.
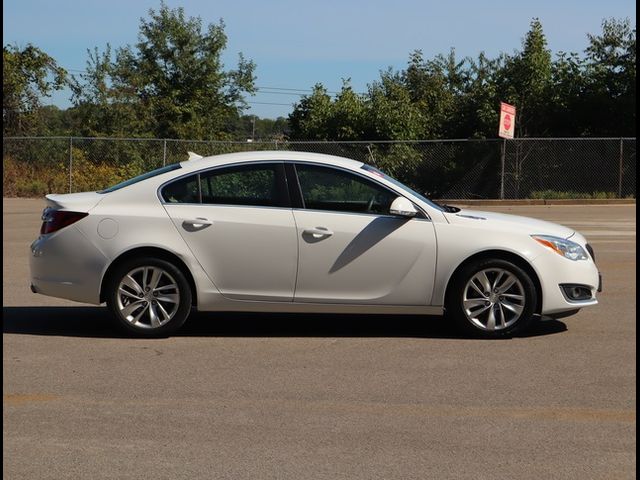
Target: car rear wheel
pixel 492 298
pixel 149 297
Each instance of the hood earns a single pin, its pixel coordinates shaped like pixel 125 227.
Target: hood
pixel 77 202
pixel 503 221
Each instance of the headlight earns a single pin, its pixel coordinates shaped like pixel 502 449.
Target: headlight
pixel 561 246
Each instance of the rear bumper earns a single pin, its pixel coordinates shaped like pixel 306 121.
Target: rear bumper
pixel 67 265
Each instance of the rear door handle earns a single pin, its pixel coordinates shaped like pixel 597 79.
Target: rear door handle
pixel 198 222
pixel 318 232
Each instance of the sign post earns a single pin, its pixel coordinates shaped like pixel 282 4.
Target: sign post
pixel 505 130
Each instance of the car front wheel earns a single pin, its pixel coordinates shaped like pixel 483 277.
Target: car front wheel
pixel 149 297
pixel 492 298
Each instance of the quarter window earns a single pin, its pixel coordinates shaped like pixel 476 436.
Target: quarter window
pixel 336 190
pixel 183 190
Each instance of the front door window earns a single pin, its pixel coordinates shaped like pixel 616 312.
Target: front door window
pixel 339 191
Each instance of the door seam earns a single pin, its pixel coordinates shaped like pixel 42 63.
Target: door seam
pixel 295 283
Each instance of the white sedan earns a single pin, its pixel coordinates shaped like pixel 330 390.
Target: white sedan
pixel 299 232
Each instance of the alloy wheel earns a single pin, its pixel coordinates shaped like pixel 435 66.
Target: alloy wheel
pixel 493 299
pixel 148 297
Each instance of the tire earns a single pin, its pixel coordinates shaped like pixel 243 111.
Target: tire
pixel 149 297
pixel 506 310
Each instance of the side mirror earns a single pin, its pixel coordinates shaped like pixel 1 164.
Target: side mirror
pixel 403 208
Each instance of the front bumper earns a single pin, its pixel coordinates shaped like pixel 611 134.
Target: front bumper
pixel 599 282
pixel 554 271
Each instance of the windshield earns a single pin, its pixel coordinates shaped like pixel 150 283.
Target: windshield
pixel 139 178
pixel 380 173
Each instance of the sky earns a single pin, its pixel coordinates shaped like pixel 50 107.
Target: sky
pixel 296 43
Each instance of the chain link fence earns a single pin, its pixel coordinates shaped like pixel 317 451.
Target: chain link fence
pixel 448 169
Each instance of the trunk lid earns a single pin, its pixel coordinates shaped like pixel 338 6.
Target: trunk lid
pixel 77 202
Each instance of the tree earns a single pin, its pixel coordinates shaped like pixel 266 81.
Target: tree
pixel 526 82
pixel 348 115
pixel 437 87
pixel 391 112
pixel 478 115
pixel 259 129
pixel 104 106
pixel 610 88
pixel 27 75
pixel 310 117
pixel 172 84
pixel 385 112
pixel 567 107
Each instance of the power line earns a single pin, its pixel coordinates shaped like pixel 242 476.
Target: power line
pixel 271 103
pixel 299 92
pixel 281 93
pixel 52 105
pixel 303 90
pixel 276 90
pixel 284 88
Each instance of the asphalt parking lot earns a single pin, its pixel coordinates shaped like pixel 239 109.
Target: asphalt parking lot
pixel 321 396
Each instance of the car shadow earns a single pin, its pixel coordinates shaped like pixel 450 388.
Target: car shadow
pixel 95 322
pixel 376 231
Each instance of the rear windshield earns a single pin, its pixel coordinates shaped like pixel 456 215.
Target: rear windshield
pixel 144 176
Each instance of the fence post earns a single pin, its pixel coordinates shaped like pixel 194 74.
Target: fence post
pixel 276 147
pixel 620 167
pixel 164 152
pixel 502 155
pixel 70 162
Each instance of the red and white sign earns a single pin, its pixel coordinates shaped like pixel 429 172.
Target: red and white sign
pixel 507 120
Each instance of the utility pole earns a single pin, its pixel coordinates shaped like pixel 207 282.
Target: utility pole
pixel 253 128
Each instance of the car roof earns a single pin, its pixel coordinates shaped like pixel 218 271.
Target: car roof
pixel 267 155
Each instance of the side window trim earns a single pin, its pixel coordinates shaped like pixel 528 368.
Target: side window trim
pixel 293 186
pixel 281 185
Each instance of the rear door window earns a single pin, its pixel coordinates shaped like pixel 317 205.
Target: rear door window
pixel 261 185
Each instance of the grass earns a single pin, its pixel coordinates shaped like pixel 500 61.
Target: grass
pixel 570 195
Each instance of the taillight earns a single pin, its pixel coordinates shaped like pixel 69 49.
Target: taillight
pixel 54 220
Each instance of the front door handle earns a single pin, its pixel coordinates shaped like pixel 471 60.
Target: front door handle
pixel 318 232
pixel 198 222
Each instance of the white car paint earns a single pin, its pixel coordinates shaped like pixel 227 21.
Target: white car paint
pixel 248 253
pixel 245 258
pixel 368 259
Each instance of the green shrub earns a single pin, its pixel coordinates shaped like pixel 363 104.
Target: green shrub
pixel 570 195
pixel 23 179
pixel 30 188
